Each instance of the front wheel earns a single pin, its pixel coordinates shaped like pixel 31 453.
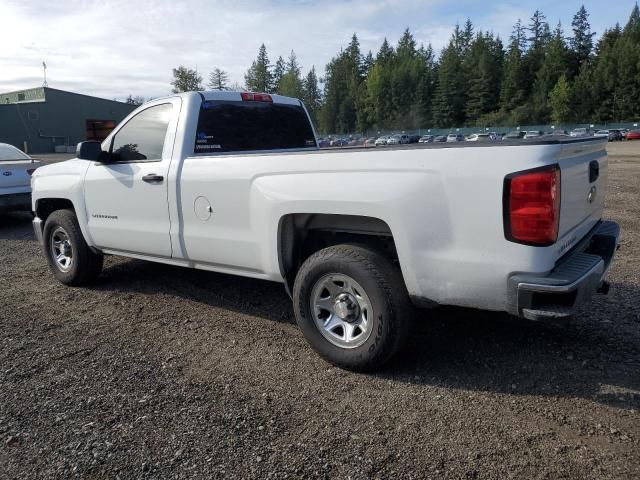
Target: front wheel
pixel 352 306
pixel 70 258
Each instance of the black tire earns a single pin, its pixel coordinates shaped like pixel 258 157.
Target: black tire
pixel 383 283
pixel 85 265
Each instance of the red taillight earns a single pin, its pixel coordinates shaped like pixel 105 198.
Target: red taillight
pixel 256 97
pixel 532 206
pixel 30 171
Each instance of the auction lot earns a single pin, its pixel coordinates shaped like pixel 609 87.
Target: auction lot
pixel 162 372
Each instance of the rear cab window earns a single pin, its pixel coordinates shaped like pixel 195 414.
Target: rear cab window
pixel 243 126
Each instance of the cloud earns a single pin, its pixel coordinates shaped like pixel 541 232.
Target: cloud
pixel 113 48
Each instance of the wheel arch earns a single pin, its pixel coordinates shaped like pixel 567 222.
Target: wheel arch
pixel 45 206
pixel 302 234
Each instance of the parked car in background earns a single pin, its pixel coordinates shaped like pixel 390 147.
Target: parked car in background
pixel 440 139
pixel 601 133
pixel 480 137
pixel 426 139
pixel 398 139
pixel 339 142
pixel 414 138
pixel 533 134
pixel 16 168
pixel 381 140
pixel 624 132
pixel 579 132
pixel 633 135
pixel 323 143
pixel 615 135
pixel 370 142
pixel 514 135
pixel 455 137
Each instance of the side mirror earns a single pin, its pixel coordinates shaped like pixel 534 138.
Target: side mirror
pixel 88 150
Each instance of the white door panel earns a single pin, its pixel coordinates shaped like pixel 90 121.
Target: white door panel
pixel 127 197
pixel 125 212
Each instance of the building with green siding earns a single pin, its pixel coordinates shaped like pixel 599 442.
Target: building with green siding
pixel 44 120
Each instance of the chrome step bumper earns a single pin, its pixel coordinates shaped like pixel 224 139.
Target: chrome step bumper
pixel 573 281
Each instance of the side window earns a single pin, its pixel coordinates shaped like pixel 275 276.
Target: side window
pixel 142 137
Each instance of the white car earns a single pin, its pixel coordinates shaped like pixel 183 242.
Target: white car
pixel 398 139
pixel 381 141
pixel 16 168
pixel 480 137
pixel 579 132
pixel 533 134
pixel 455 137
pixel 601 133
pixel 234 182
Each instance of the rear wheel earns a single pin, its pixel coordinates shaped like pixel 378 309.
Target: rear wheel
pixel 70 258
pixel 352 306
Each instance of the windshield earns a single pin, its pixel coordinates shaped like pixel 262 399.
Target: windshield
pixel 9 152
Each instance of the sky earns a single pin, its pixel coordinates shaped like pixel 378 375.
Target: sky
pixel 114 48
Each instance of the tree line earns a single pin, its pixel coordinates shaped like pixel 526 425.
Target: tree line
pixel 541 75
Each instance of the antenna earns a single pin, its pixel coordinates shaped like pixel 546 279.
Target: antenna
pixel 44 68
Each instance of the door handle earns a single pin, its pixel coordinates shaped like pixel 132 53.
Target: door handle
pixel 153 178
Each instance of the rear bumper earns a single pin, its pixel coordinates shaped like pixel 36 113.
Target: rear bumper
pixel 15 201
pixel 575 278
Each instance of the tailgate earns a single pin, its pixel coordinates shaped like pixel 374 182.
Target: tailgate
pixel 13 173
pixel 583 167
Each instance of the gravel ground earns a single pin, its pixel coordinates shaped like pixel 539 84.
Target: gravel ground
pixel 160 372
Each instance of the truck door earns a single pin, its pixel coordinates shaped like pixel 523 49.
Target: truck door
pixel 127 198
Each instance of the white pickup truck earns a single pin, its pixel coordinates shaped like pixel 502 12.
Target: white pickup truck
pixel 234 182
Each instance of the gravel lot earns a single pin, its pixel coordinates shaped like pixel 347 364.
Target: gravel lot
pixel 160 372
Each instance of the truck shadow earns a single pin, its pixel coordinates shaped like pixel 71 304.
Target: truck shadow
pixel 595 356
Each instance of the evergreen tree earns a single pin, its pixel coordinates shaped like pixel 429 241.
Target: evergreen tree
pixel 406 70
pixel 554 65
pixel 385 53
pixel 218 79
pixel 278 72
pixel 448 98
pixel 368 62
pixel 258 78
pixel 311 94
pixel 186 80
pixel 484 66
pixel 559 101
pixel 632 28
pixel 514 79
pixel 582 41
pixel 427 85
pixel 291 83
